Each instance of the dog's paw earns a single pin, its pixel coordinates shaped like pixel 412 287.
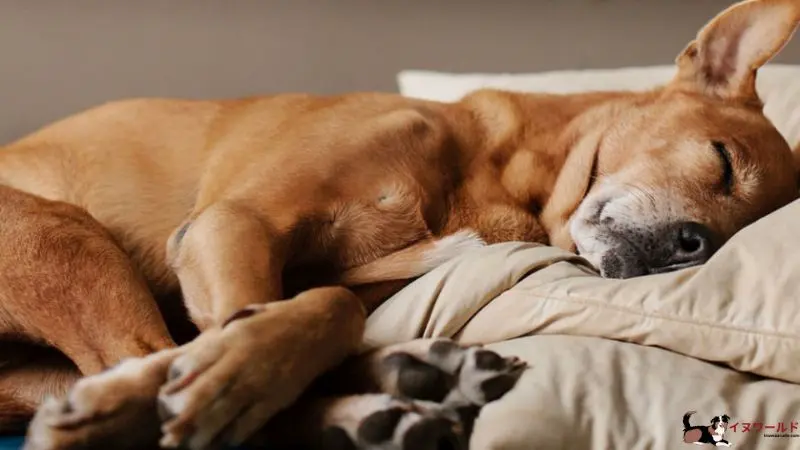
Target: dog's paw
pixel 101 410
pixel 439 370
pixel 424 394
pixel 208 391
pixel 231 381
pixel 380 421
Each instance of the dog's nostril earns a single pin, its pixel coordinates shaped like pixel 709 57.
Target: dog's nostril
pixel 684 244
pixel 689 243
pixel 694 239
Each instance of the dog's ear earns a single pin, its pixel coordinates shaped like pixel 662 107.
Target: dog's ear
pixel 724 58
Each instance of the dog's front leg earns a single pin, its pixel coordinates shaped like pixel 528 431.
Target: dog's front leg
pixel 255 355
pixel 226 259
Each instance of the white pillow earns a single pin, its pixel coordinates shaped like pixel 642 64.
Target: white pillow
pixel 778 85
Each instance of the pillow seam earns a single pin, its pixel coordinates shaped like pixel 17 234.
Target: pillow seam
pixel 586 301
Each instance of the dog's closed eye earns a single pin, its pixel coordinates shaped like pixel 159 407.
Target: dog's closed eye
pixel 727 166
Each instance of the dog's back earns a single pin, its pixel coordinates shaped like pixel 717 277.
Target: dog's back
pixel 695 434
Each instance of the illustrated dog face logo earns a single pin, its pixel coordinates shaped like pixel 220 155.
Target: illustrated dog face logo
pixel 680 170
pixel 713 434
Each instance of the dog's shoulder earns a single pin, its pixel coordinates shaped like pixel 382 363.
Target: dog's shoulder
pixel 499 114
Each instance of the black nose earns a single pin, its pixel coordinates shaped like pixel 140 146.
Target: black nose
pixel 688 244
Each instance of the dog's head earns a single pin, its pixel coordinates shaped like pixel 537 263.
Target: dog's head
pixel 720 424
pixel 679 170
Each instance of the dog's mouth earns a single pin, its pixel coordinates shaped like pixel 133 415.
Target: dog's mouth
pixel 674 267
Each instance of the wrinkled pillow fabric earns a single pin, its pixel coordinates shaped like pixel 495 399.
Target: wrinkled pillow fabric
pixel 740 309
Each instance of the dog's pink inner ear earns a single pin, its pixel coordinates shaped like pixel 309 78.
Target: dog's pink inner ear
pixel 724 58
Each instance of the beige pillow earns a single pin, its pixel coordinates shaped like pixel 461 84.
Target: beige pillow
pixel 740 309
pixel 590 393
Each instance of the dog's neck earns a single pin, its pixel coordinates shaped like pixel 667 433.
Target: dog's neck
pixel 541 148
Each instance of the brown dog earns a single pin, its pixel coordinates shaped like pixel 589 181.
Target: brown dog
pixel 113 215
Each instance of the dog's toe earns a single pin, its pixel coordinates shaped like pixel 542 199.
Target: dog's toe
pixel 207 395
pixel 433 434
pixel 440 370
pixel 228 383
pixel 380 421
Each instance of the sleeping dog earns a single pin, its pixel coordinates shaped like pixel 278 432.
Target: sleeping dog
pixel 124 222
pixel 714 434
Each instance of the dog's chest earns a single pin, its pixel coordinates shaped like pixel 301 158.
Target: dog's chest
pixel 505 223
pixel 392 215
pixel 353 230
pixel 486 207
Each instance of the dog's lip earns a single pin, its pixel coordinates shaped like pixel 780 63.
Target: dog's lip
pixel 674 267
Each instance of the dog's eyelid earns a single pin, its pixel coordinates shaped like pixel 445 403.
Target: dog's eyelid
pixel 727 165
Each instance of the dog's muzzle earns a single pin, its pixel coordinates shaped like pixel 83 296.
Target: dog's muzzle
pixel 667 248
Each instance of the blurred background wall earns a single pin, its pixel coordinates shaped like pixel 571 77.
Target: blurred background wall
pixel 59 56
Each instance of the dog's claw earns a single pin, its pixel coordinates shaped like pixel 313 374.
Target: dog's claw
pixel 217 394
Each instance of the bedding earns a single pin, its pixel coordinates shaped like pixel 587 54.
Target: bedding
pixel 617 363
pixel 721 338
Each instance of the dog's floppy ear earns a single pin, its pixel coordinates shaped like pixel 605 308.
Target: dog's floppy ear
pixel 722 61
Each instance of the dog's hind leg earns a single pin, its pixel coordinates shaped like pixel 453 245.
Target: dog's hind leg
pixel 216 382
pixel 28 373
pixel 65 283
